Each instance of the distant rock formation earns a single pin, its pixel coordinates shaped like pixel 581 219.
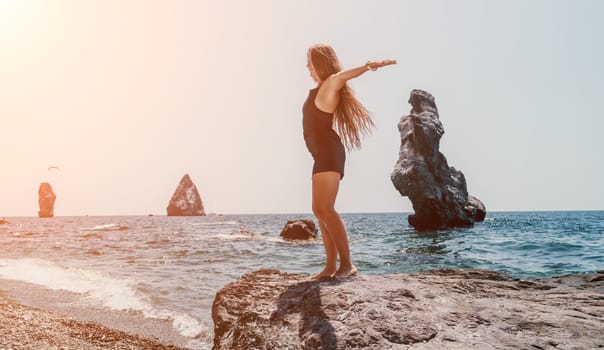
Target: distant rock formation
pixel 301 229
pixel 186 200
pixel 439 309
pixel 46 200
pixel 3 221
pixel 438 192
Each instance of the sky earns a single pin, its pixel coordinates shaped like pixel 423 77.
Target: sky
pixel 125 97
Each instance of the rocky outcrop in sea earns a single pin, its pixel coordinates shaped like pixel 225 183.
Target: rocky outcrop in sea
pixel 46 200
pixel 439 309
pixel 438 192
pixel 300 229
pixel 186 200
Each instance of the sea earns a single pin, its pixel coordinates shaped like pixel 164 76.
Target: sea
pixel 170 268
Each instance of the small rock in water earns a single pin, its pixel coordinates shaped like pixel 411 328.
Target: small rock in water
pixel 300 229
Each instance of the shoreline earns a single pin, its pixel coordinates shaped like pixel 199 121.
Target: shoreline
pixel 173 267
pixel 32 317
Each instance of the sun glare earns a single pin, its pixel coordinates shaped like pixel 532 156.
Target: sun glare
pixel 9 12
pixel 15 16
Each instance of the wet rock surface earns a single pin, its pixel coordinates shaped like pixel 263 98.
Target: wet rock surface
pixel 439 309
pixel 438 192
pixel 300 229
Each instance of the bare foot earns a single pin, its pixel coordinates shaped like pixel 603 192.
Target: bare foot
pixel 326 273
pixel 346 271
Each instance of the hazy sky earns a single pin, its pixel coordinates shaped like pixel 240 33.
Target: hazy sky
pixel 127 96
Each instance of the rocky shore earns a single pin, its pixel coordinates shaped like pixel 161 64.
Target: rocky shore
pixel 439 309
pixel 23 327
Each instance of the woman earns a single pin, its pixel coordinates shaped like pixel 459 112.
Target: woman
pixel 333 103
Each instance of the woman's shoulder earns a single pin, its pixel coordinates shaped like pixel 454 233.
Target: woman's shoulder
pixel 330 84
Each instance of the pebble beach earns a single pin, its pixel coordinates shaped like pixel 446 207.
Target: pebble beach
pixel 24 327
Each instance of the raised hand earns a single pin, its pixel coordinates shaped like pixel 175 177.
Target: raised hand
pixel 373 65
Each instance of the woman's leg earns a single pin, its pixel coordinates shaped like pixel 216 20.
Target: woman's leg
pixel 325 187
pixel 331 253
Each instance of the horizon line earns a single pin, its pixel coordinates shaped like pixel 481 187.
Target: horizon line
pixel 308 214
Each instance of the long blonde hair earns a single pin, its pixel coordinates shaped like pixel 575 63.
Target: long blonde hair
pixel 351 118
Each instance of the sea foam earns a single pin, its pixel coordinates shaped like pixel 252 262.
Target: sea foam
pixel 96 288
pixel 105 227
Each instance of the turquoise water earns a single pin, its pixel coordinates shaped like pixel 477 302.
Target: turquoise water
pixel 171 267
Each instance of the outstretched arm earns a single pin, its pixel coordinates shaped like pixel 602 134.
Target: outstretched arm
pixel 338 80
pixel 328 98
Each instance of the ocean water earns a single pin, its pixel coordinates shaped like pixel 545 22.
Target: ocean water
pixel 171 267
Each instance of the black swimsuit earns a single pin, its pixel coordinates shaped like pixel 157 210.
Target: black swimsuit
pixel 321 140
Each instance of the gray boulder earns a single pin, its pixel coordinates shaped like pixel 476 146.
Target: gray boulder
pixel 301 229
pixel 46 200
pixel 186 200
pixel 439 309
pixel 476 208
pixel 438 192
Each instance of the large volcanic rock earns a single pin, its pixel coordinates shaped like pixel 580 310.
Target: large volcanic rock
pixel 301 229
pixel 186 200
pixel 440 309
pixel 46 200
pixel 438 192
